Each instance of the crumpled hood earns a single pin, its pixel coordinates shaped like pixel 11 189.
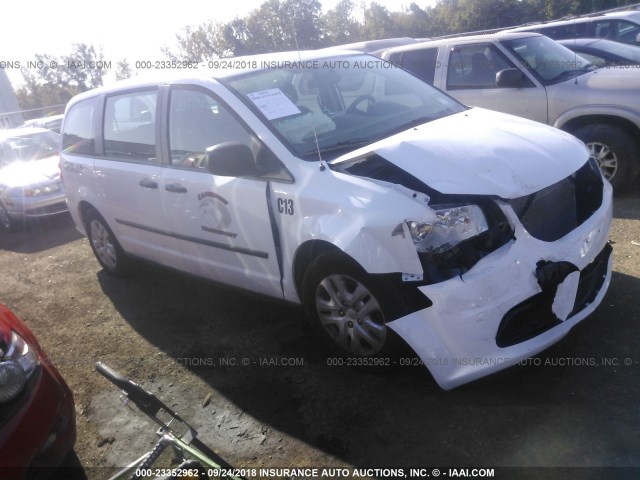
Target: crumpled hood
pixel 481 152
pixel 33 172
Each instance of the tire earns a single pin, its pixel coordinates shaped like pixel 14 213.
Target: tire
pixel 7 223
pixel 616 152
pixel 348 308
pixel 105 246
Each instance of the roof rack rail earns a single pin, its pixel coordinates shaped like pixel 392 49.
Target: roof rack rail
pixel 475 32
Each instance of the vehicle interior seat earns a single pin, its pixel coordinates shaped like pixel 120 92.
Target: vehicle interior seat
pixel 481 71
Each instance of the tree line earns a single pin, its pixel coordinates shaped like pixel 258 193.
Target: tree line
pixel 280 25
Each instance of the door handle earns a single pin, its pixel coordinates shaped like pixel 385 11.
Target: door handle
pixel 146 183
pixel 175 188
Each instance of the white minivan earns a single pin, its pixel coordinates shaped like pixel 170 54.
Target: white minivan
pixel 337 181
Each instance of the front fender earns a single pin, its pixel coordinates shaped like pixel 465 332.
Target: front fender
pixel 380 248
pixel 365 220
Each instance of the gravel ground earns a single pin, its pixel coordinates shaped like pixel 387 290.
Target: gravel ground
pixel 272 400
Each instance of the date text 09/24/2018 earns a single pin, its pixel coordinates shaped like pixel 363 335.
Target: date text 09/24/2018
pixel 240 64
pixel 412 361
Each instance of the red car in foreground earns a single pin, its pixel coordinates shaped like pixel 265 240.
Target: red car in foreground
pixel 37 415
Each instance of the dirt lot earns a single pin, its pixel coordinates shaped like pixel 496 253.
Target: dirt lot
pixel 180 338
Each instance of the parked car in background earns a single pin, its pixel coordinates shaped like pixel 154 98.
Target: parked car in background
pixel 53 123
pixel 339 182
pixel 37 414
pixel 30 184
pixel 530 75
pixel 605 53
pixel 373 46
pixel 618 26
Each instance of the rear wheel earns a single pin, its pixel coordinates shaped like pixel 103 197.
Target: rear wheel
pixel 105 246
pixel 349 308
pixel 615 151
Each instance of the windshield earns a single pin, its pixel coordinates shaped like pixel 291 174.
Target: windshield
pixel 28 147
pixel 338 104
pixel 550 61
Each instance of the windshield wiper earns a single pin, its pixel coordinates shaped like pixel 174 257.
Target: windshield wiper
pixel 354 143
pixel 344 145
pixel 574 72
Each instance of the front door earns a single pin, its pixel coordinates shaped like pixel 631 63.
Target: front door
pixel 223 224
pixel 471 78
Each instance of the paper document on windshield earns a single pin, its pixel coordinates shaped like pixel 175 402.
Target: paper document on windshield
pixel 273 103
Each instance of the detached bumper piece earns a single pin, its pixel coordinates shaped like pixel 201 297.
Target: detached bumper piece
pixel 535 315
pixel 591 280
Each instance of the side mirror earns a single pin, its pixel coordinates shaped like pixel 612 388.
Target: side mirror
pixel 509 77
pixel 231 159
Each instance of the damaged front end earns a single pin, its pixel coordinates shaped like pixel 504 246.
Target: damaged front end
pixel 565 291
pixel 505 277
pixel 464 228
pixel 445 261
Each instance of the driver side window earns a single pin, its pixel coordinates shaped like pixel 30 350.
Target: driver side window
pixel 196 122
pixel 475 66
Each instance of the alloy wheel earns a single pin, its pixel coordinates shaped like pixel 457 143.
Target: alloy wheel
pixel 606 158
pixel 103 244
pixel 351 315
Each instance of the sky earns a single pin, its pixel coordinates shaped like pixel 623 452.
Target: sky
pixel 131 29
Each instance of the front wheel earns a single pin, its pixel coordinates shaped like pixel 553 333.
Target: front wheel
pixel 6 222
pixel 616 152
pixel 348 308
pixel 105 246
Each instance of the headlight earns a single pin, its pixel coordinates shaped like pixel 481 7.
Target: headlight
pixel 454 224
pixel 41 190
pixel 17 364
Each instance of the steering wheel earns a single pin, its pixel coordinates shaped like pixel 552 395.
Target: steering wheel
pixel 352 108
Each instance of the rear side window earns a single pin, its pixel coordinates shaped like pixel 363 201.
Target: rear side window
pixel 78 137
pixel 627 32
pixel 572 30
pixel 422 63
pixel 130 126
pixel 617 30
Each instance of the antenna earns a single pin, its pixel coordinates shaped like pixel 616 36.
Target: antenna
pixel 322 164
pixel 575 54
pixel 315 134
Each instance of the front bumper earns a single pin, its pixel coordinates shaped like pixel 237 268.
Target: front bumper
pixel 43 431
pixel 457 337
pixel 21 207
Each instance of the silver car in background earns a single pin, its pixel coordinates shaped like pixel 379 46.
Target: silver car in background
pixel 30 184
pixel 52 122
pixel 531 76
